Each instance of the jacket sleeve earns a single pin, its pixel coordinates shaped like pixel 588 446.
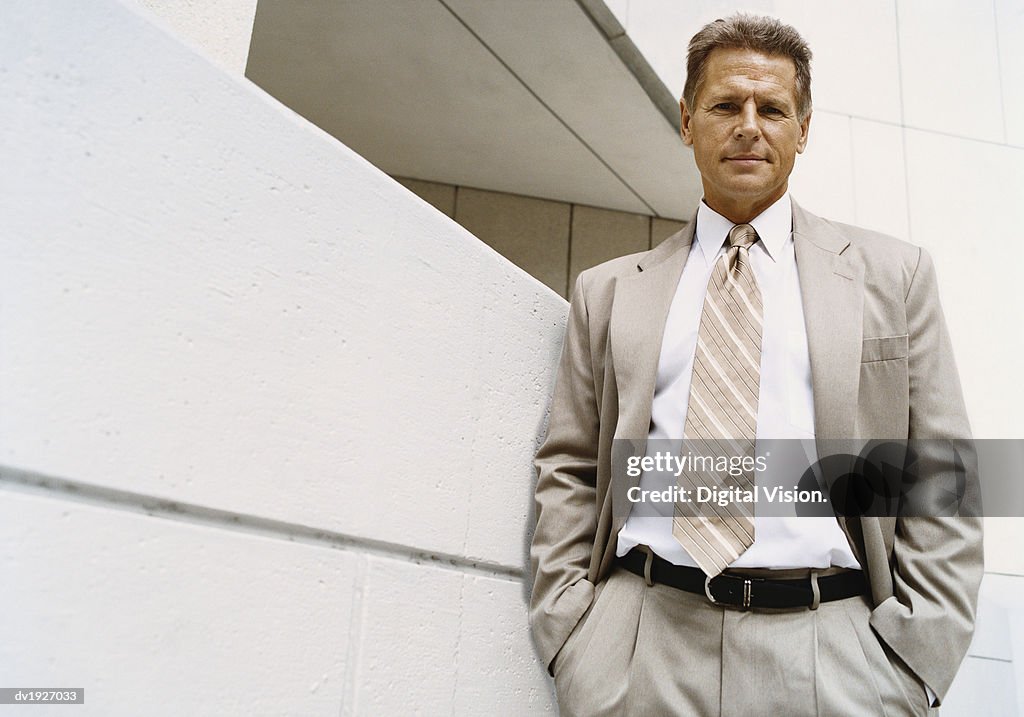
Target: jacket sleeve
pixel 566 491
pixel 937 562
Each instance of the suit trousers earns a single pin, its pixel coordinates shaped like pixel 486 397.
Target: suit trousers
pixel 656 650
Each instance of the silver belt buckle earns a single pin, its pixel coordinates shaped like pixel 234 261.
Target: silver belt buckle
pixel 707 590
pixel 747 592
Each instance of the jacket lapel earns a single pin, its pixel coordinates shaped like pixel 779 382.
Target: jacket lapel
pixel 832 291
pixel 637 326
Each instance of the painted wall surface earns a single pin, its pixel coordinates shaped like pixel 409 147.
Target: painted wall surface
pixel 918 131
pixel 266 417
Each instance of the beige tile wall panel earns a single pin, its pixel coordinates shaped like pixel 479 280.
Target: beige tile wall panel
pixel 441 196
pixel 531 233
pixel 662 229
pixel 600 234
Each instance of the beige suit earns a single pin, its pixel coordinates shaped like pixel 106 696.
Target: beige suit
pixel 882 367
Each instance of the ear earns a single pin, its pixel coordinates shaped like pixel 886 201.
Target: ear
pixel 684 124
pixel 804 128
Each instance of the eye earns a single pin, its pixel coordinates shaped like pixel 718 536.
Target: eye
pixel 724 106
pixel 771 110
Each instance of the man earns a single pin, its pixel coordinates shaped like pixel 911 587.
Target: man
pixel 758 320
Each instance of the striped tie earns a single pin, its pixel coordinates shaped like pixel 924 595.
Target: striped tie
pixel 723 405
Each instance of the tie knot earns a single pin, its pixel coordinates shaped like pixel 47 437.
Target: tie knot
pixel 742 235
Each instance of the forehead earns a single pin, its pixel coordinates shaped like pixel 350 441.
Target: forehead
pixel 737 69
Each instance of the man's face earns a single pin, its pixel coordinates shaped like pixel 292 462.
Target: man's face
pixel 744 130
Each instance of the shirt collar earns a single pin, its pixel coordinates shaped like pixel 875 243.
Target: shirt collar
pixel 774 226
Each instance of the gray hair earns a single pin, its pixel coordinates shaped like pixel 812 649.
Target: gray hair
pixel 749 32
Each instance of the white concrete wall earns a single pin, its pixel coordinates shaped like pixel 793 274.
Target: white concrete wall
pixel 266 418
pixel 918 131
pixel 219 29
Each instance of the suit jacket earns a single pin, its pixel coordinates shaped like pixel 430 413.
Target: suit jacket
pixel 882 367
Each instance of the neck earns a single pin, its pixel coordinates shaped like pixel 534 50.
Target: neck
pixel 739 212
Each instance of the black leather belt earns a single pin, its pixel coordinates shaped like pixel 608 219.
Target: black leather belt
pixel 746 592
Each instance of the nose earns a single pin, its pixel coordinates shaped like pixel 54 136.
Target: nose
pixel 747 126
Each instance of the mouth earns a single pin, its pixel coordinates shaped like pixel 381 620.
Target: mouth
pixel 745 159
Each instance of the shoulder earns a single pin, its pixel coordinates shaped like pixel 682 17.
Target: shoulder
pixel 887 260
pixel 876 245
pixel 594 292
pixel 600 280
pixel 610 271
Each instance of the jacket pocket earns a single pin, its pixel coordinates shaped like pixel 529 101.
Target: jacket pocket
pixel 885 348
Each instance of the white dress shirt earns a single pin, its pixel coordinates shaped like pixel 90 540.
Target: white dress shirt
pixel 785 403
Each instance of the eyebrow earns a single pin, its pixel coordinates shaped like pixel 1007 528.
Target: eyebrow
pixel 728 95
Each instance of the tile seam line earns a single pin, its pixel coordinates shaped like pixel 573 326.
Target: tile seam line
pixel 990 659
pixel 916 128
pixel 1004 574
pixel 999 70
pixel 546 106
pixel 33 482
pixel 903 122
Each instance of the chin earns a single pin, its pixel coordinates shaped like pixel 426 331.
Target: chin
pixel 753 188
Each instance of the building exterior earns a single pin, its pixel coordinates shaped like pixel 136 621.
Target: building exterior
pixel 268 403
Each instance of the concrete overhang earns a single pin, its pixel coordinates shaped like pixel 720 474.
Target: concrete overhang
pixel 545 98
